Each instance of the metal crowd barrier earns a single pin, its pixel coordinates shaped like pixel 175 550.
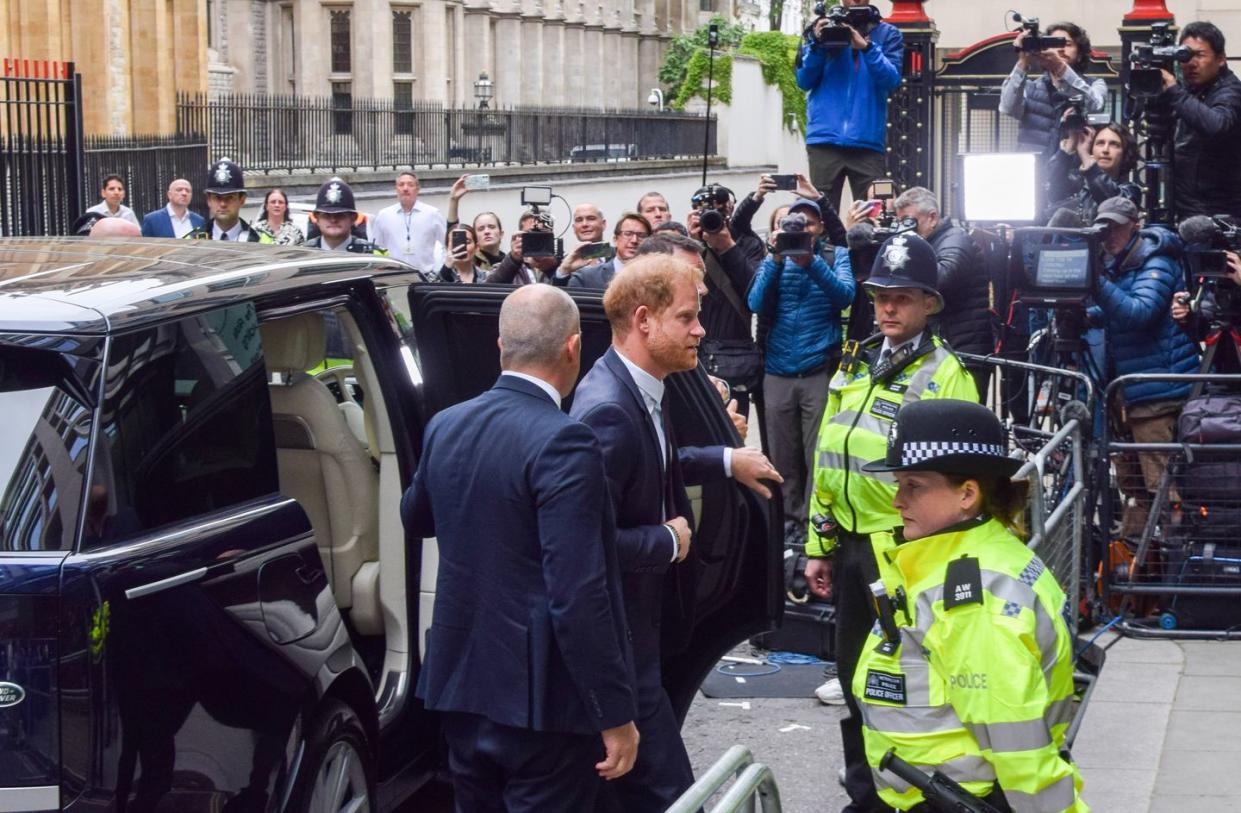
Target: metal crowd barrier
pixel 754 782
pixel 1058 490
pixel 1173 564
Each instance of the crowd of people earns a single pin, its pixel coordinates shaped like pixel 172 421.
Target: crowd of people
pixel 842 326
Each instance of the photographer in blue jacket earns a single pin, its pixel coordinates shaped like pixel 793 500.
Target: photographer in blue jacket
pixel 849 63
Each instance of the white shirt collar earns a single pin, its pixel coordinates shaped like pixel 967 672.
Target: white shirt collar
pixel 652 388
pixel 538 382
pixel 234 233
pixel 912 344
pixel 172 214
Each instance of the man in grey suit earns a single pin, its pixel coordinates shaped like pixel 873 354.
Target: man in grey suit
pixel 629 233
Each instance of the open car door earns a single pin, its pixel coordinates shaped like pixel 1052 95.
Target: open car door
pixel 740 588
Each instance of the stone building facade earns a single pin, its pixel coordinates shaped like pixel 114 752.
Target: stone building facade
pixel 557 53
pixel 134 55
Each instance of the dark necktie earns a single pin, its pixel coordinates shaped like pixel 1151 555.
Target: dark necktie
pixel 223 235
pixel 670 503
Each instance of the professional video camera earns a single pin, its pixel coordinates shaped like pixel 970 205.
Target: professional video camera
pixel 540 239
pixel 840 19
pixel 1208 239
pixel 1077 119
pixel 1057 268
pixel 1147 61
pixel 793 240
pixel 1035 41
pixel 712 202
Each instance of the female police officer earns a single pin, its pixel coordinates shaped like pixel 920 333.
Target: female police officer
pixel 969 670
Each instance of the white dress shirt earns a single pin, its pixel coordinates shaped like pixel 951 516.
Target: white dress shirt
pixel 415 236
pixel 234 234
pixel 124 212
pixel 538 382
pixel 181 225
pixel 888 350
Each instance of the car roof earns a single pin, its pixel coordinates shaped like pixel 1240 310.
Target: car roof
pixel 83 285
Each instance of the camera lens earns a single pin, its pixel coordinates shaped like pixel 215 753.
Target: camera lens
pixel 711 220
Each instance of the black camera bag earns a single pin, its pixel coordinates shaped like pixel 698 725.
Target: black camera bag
pixel 737 361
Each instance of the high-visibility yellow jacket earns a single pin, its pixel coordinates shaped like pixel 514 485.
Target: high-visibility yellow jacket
pixel 980 682
pixel 855 428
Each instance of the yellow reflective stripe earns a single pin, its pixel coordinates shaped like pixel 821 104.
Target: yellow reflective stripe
pixel 839 462
pixel 969 768
pixel 1059 795
pixel 1027 735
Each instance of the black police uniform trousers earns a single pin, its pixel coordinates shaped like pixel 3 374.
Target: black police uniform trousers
pixel 853 571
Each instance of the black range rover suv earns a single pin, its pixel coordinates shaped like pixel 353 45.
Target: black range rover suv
pixel 207 600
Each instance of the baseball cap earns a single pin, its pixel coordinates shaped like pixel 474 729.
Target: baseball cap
pixel 1117 210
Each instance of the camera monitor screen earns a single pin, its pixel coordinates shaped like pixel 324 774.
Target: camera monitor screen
pixel 1063 269
pixel 1000 188
pixel 1056 263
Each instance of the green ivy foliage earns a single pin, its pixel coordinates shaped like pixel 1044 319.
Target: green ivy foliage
pixel 685 71
pixel 685 48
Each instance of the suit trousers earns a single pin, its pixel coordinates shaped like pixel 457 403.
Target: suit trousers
pixel 830 165
pixel 662 772
pixel 793 410
pixel 853 571
pixel 499 769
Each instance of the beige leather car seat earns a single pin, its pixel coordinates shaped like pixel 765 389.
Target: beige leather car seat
pixel 321 462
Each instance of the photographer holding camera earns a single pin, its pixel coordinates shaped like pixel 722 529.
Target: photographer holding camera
pixel 1212 314
pixel 519 269
pixel 1131 301
pixel 1037 104
pixel 849 62
pixel 801 294
pixel 1207 106
pixel 1091 166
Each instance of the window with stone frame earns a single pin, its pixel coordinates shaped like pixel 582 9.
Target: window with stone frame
pixel 341 40
pixel 342 108
pixel 403 107
pixel 402 42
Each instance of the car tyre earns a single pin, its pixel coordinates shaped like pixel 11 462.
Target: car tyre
pixel 337 777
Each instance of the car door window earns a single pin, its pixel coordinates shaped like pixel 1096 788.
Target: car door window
pixel 186 425
pixel 43 451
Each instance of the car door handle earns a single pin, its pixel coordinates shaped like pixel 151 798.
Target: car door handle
pixel 165 584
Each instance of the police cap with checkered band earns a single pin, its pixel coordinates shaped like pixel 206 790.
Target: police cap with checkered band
pixel 335 197
pixel 224 178
pixel 905 261
pixel 947 436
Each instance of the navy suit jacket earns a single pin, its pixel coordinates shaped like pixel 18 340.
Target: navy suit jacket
pixel 529 626
pixel 609 402
pixel 594 277
pixel 159 223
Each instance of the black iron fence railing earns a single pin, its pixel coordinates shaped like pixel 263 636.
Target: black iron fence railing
pixel 148 164
pixel 40 147
pixel 288 133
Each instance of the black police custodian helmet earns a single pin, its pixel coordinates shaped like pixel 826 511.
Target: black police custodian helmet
pixel 335 197
pixel 906 261
pixel 947 436
pixel 224 178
